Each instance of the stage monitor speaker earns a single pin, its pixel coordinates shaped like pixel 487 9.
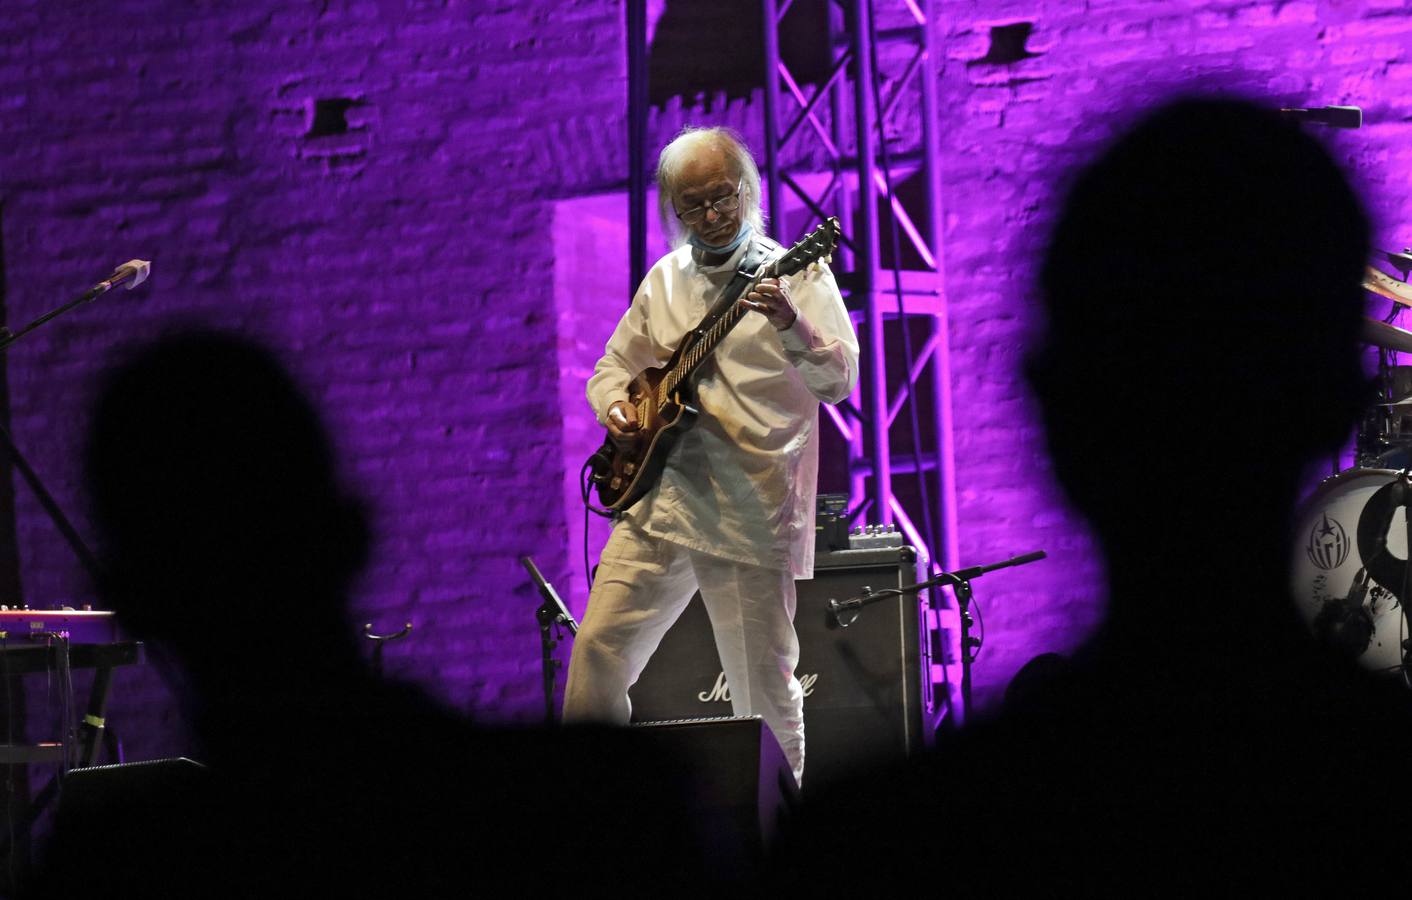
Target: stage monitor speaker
pixel 868 696
pixel 742 785
pixel 142 793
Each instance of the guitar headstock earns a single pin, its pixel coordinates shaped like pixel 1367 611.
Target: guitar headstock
pixel 815 246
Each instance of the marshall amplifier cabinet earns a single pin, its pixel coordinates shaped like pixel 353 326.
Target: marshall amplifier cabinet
pixel 868 695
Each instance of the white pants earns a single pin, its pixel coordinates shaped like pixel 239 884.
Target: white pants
pixel 643 585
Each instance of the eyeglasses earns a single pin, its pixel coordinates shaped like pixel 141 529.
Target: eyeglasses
pixel 729 203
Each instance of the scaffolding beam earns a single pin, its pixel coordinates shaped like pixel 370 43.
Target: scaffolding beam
pixel 894 42
pixel 859 190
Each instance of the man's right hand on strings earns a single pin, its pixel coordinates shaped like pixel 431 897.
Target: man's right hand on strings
pixel 622 423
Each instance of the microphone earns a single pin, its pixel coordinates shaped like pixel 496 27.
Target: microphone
pixel 852 604
pixel 836 613
pixel 978 571
pixel 1332 116
pixel 132 273
pixel 835 607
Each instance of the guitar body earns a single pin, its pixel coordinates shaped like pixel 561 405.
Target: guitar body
pixel 636 467
pixel 663 396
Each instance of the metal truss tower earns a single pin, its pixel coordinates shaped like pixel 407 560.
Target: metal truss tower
pixel 878 78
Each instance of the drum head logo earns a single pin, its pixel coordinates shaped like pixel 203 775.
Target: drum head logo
pixel 1328 543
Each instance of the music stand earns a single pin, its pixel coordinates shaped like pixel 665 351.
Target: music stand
pixel 551 612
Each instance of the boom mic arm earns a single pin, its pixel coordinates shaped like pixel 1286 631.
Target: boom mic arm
pixel 959 577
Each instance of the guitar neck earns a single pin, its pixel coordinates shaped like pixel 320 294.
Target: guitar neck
pixel 707 337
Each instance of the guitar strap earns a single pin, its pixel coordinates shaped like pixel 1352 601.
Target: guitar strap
pixel 755 256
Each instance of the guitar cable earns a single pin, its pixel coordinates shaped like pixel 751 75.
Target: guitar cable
pixel 586 479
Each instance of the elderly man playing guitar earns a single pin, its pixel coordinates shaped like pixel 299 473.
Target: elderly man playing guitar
pixel 730 511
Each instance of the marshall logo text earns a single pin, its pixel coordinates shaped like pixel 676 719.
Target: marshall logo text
pixel 720 692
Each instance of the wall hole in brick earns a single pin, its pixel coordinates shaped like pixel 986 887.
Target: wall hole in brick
pixel 329 117
pixel 1007 44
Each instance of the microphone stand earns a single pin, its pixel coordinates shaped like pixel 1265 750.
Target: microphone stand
pixel 960 582
pixel 51 507
pixel 134 275
pixel 552 612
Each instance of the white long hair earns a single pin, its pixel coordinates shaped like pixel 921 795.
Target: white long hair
pixel 674 158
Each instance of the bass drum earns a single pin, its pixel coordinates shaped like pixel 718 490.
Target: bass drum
pixel 1346 584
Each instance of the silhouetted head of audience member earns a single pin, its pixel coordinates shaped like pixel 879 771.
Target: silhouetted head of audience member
pixel 1202 293
pixel 228 541
pixel 1037 690
pixel 213 489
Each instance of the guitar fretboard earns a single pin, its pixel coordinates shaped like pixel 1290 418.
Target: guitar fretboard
pixel 704 346
pixel 816 245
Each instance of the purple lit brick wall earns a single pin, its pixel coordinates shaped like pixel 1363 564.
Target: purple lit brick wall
pixel 1010 130
pixel 386 193
pixel 361 185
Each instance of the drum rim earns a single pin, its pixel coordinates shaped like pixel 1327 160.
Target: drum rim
pixel 1337 479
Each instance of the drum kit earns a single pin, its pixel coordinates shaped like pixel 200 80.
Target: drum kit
pixel 1351 577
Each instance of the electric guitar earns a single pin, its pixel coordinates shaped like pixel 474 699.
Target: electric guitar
pixel 663 396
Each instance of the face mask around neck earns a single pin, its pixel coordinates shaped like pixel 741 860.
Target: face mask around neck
pixel 739 239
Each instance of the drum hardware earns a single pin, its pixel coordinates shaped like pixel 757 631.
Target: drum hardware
pixel 1349 582
pixel 1384 439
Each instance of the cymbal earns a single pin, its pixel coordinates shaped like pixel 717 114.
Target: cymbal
pixel 1385 285
pixel 1389 337
pixel 1400 261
